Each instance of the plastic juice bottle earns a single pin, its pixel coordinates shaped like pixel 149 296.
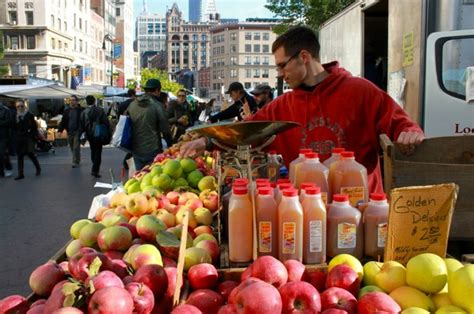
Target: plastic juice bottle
pixel 311 170
pixel 350 177
pixel 335 156
pixel 375 219
pixel 298 160
pixel 279 193
pixel 240 225
pixel 314 228
pixel 290 224
pixel 273 166
pixel 267 222
pixel 345 231
pixel 237 182
pixel 305 185
pixel 283 180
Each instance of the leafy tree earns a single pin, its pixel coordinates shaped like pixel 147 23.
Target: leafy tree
pixel 3 69
pixel 166 84
pixel 304 12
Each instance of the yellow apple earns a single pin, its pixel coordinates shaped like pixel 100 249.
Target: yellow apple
pixel 391 276
pixel 415 310
pixel 449 309
pixel 461 288
pixel 119 198
pixel 441 299
pixel 452 265
pixel 408 297
pixel 348 260
pixel 427 272
pixel 371 269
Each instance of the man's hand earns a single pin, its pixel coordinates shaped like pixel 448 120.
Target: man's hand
pixel 245 110
pixel 407 141
pixel 193 148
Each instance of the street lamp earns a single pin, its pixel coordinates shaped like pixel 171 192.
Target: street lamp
pixel 110 38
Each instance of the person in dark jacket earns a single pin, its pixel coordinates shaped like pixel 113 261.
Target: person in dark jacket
pixel 90 117
pixel 263 95
pixel 26 135
pixel 71 122
pixel 123 106
pixel 240 97
pixel 179 114
pixel 7 123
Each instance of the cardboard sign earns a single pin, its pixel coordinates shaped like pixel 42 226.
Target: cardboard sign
pixel 419 220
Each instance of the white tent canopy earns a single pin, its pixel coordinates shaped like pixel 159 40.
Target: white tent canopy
pixel 48 91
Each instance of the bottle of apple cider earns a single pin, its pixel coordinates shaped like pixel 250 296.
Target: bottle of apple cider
pixel 375 219
pixel 344 225
pixel 273 166
pixel 279 191
pixel 314 228
pixel 290 223
pixel 350 177
pixel 240 225
pixel 267 222
pixel 335 156
pixel 311 170
pixel 297 161
pixel 305 185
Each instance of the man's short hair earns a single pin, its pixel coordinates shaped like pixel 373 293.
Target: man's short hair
pixel 90 100
pixel 296 39
pixel 74 97
pixel 235 86
pixel 131 92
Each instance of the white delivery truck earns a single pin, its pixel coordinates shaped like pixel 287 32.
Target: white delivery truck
pixel 420 51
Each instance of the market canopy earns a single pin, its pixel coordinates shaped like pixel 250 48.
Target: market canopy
pixel 49 91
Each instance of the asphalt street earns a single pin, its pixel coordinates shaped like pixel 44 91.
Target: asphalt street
pixel 36 212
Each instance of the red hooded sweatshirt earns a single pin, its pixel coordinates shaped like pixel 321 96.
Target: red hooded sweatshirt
pixel 342 111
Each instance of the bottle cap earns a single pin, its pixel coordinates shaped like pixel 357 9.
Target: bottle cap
pixel 305 150
pixel 239 190
pixel 284 186
pixel 313 190
pixel 378 196
pixel 263 184
pixel 285 180
pixel 290 192
pixel 273 184
pixel 265 190
pixel 311 155
pixel 241 181
pixel 305 185
pixel 261 180
pixel 338 150
pixel 347 154
pixel 340 197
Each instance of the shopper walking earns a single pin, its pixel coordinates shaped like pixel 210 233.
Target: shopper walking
pixel 71 122
pixel 26 135
pixel 7 122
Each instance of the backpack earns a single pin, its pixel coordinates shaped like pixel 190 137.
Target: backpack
pixel 6 116
pixel 96 129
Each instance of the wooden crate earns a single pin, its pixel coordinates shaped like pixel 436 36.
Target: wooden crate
pixel 435 161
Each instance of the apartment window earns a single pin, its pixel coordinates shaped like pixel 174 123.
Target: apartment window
pixel 265 73
pixel 248 60
pixel 233 48
pixel 14 43
pixel 248 73
pixel 233 73
pixel 247 85
pixel 214 39
pixel 256 48
pixel 117 11
pixel 203 37
pixel 248 48
pixel 75 25
pixel 65 26
pixel 52 21
pixel 222 49
pixel 233 36
pixel 65 47
pixel 256 60
pixel 80 45
pixel 256 72
pixel 266 36
pixel 266 60
pixel 248 36
pixel 53 43
pixel 265 48
pixel 59 24
pixel 29 17
pixel 80 23
pixel 12 17
pixel 30 42
pixel 32 69
pixel 60 45
pixel 233 60
pixel 256 36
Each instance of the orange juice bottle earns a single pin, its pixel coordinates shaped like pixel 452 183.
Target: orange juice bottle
pixel 290 223
pixel 314 228
pixel 345 231
pixel 303 187
pixel 335 156
pixel 267 222
pixel 240 225
pixel 311 170
pixel 375 219
pixel 350 177
pixel 298 160
pixel 279 191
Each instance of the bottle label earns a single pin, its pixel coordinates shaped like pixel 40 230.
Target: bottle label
pixel 381 234
pixel 324 197
pixel 289 238
pixel 265 236
pixel 356 194
pixel 346 236
pixel 315 236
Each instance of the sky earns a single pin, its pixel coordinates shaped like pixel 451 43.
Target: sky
pixel 240 9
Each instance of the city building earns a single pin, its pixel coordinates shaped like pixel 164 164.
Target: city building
pixel 195 10
pixel 150 35
pixel 241 52
pixel 203 82
pixel 210 13
pixel 123 52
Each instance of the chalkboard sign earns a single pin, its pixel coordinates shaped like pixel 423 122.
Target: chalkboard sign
pixel 419 220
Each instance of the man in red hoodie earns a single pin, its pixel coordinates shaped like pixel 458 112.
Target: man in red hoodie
pixel 334 108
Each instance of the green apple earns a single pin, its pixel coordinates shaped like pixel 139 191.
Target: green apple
pixel 427 272
pixel 203 216
pixel 391 276
pixel 371 269
pixel 77 226
pixel 194 256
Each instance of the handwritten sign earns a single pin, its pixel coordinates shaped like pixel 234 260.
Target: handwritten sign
pixel 408 47
pixel 419 220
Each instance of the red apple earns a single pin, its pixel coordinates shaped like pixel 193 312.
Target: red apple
pixel 193 203
pixel 299 297
pixel 45 277
pixel 65 267
pixel 14 304
pixel 202 229
pixel 209 199
pixel 270 270
pixel 186 309
pixel 247 282
pixel 168 262
pixel 145 254
pixel 334 311
pixel 119 267
pixel 344 277
pixel 56 299
pixel 114 238
pixel 295 269
pixel 38 302
pixel 163 305
pixel 226 287
pixel 82 271
pixel 127 279
pixel 132 228
pixel 202 276
pixel 247 273
pixel 173 197
pixel 68 310
pixel 228 309
pixel 154 276
pixel 377 302
pixel 148 227
pixel 104 279
pixel 211 247
pixel 39 309
pixel 206 300
pixel 114 255
pixel 256 296
pixel 317 278
pixel 111 300
pixel 143 298
pixel 171 274
pixel 340 299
